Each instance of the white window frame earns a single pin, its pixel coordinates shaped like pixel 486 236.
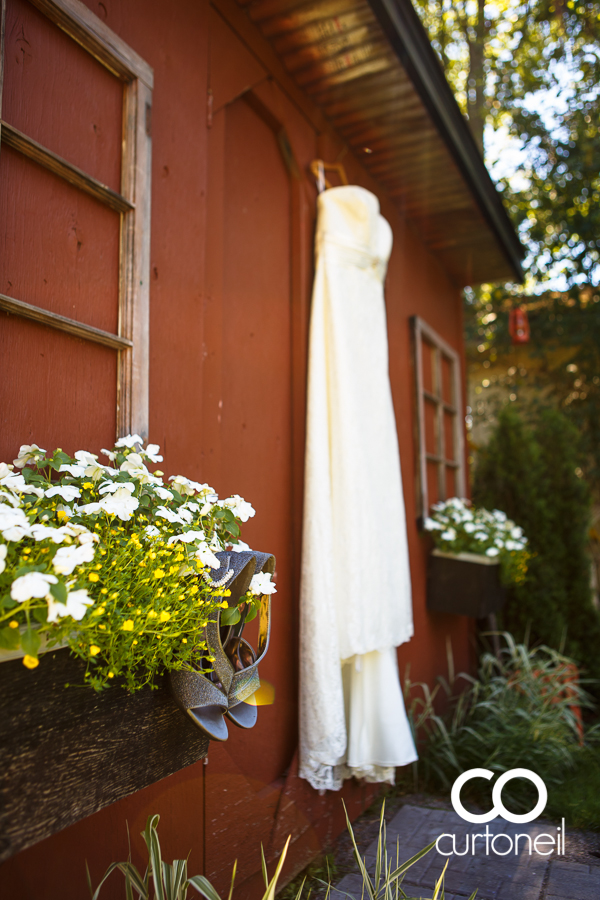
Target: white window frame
pixel 424 333
pixel 133 204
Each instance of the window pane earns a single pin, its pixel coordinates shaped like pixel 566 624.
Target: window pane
pixel 428 377
pixel 66 260
pixel 447 380
pixel 57 93
pixel 55 390
pixel 433 487
pixel 431 442
pixel 449 419
pixel 450 482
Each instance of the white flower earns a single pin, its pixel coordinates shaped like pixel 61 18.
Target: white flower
pixel 10 497
pixel 130 440
pixel 207 557
pixel 516 533
pixel 152 531
pixel 152 452
pixel 47 533
pixel 182 485
pixel 120 504
pixel 87 537
pixel 110 453
pixel 492 551
pixel 187 537
pixel 499 515
pixel 241 509
pixel 66 559
pixel 14 524
pixel 75 471
pixel 5 470
pixel 206 509
pixel 134 464
pixel 34 584
pixel 16 482
pixel 240 547
pixel 520 545
pixel 3 552
pixel 67 491
pixel 511 545
pixel 89 508
pixel 499 543
pixel 261 584
pixel 86 459
pixel 169 515
pixel 432 525
pixel 448 535
pixel 113 487
pixel 190 505
pixel 481 536
pixel 27 452
pixel 76 605
pixel 470 527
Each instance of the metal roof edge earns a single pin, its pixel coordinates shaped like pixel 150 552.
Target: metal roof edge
pixel 410 42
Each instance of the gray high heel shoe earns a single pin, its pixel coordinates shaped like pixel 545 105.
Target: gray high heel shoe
pixel 210 695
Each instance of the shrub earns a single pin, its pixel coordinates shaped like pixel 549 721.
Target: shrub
pixel 531 472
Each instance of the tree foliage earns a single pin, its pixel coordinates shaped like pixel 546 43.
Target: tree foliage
pixel 532 472
pixel 533 69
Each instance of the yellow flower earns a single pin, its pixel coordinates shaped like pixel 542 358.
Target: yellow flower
pixel 184 640
pixel 13 624
pixel 94 650
pixel 159 573
pixel 104 591
pixel 88 485
pixel 30 661
pixel 151 614
pixel 194 590
pixel 61 515
pixel 135 642
pixel 111 674
pixel 165 616
pixel 103 627
pixel 26 551
pixel 224 604
pixel 114 596
pixel 93 576
pixel 128 625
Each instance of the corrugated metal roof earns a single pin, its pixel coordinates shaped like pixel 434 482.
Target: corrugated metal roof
pixel 371 70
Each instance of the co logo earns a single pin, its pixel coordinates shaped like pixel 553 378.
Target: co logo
pixel 499 809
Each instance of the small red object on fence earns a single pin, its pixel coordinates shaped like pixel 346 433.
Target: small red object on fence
pixel 518 325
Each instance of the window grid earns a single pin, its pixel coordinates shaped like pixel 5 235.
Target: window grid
pixel 444 458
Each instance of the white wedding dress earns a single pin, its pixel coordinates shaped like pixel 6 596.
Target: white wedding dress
pixel 355 606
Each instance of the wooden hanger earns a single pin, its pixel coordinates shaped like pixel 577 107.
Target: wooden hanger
pixel 318 169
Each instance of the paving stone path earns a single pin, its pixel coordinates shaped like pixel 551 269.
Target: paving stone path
pixel 510 877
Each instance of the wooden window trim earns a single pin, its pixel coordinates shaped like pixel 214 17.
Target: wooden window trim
pixel 133 205
pixel 440 349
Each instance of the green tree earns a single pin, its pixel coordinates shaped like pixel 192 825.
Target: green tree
pixel 530 470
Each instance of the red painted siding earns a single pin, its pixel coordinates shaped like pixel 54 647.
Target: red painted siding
pixel 231 264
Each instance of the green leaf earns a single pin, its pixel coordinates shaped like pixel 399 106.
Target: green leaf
pixel 59 591
pixel 10 638
pixel 252 613
pixel 204 887
pixel 30 642
pixel 230 616
pixel 41 614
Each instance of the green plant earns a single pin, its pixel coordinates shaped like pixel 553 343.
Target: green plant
pixel 457 528
pixel 171 882
pixel 521 711
pixel 533 472
pixel 110 561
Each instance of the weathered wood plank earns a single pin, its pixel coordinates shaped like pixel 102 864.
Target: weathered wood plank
pixel 66 752
pixel 14 138
pixel 62 323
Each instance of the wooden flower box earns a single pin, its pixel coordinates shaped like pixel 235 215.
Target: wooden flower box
pixel 465 584
pixel 66 752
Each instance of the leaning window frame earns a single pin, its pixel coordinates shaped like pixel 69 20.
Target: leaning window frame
pixel 422 332
pixel 133 205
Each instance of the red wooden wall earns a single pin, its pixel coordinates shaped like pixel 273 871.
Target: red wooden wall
pixel 231 266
